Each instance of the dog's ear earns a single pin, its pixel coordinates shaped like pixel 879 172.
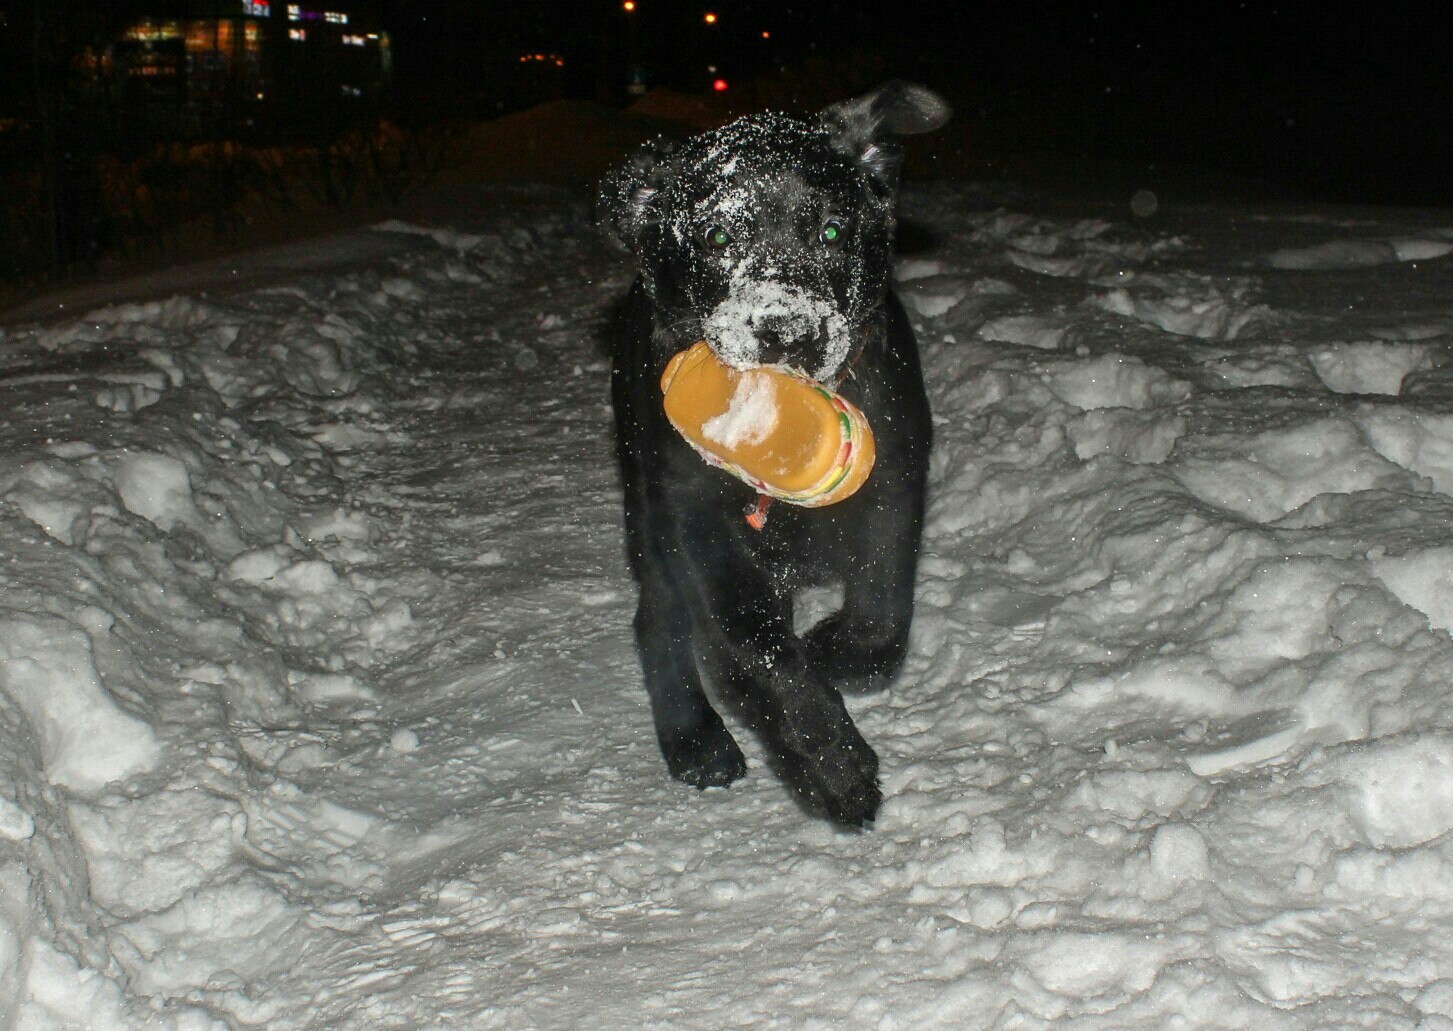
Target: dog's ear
pixel 864 128
pixel 628 200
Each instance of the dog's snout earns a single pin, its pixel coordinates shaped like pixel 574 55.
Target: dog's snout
pixel 768 322
pixel 772 346
pixel 782 338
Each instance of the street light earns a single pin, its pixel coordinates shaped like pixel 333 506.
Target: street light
pixel 635 73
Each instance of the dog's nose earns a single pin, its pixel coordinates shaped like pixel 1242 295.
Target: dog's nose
pixel 771 348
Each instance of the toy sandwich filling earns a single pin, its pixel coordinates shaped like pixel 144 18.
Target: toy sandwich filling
pixel 776 429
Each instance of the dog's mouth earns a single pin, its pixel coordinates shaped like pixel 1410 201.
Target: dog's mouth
pixel 769 323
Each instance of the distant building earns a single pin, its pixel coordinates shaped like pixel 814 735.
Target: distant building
pixel 265 63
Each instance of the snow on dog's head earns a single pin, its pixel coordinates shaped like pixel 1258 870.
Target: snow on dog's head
pixel 770 237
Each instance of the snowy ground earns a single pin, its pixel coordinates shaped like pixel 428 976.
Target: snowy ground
pixel 318 705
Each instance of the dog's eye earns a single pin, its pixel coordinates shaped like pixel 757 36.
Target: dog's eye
pixel 833 232
pixel 717 237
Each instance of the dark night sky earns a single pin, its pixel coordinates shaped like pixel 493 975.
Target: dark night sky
pixel 1332 105
pixel 1340 106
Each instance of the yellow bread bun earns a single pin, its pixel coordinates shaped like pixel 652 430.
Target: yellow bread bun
pixel 776 429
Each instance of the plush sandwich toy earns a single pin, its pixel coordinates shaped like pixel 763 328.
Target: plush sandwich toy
pixel 778 430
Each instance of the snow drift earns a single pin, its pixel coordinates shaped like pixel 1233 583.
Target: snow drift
pixel 318 706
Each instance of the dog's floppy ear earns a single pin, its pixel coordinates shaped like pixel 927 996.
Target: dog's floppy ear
pixel 627 201
pixel 864 128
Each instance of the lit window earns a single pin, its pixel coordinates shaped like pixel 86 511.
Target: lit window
pixel 148 31
pixel 354 41
pixel 298 35
pixel 336 17
pixel 256 8
pixel 295 13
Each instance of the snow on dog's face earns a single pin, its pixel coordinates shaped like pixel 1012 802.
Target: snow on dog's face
pixel 771 237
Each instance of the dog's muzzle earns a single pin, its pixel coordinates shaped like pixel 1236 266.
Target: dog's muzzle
pixel 780 341
pixel 768 323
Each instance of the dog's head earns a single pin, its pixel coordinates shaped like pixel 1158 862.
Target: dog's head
pixel 771 237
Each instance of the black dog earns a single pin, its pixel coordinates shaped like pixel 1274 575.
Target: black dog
pixel 771 238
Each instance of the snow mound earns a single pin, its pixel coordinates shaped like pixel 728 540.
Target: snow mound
pixel 157 487
pixel 1352 254
pixel 1115 381
pixel 1421 442
pixel 1267 476
pixel 1422 579
pixel 1208 312
pixel 1368 368
pixel 1025 330
pixel 319 705
pixel 1402 789
pixel 1127 435
pixel 86 739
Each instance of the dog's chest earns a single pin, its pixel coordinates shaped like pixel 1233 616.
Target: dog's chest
pixel 801 547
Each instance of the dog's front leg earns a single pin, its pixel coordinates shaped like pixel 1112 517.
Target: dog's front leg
pixel 865 642
pixel 696 745
pixel 799 713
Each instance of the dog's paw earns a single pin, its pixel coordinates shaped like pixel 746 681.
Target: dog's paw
pixel 848 784
pixel 857 660
pixel 707 757
pixel 841 779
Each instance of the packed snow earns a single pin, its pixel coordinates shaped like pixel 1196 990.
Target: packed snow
pixel 319 707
